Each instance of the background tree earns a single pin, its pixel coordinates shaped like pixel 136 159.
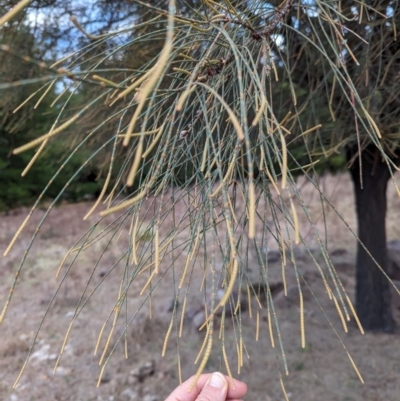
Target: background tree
pixel 32 38
pixel 367 61
pixel 33 33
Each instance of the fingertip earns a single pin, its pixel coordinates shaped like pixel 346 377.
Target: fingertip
pixel 218 380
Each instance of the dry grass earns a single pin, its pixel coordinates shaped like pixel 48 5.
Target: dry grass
pixel 320 371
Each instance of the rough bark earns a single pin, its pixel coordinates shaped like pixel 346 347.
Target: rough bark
pixel 373 298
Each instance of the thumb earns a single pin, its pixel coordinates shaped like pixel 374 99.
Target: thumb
pixel 216 389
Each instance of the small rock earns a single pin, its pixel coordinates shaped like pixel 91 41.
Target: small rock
pixel 129 395
pixel 105 378
pixel 146 370
pixel 24 337
pixel 150 397
pixel 276 287
pixel 273 256
pixel 220 294
pixel 198 319
pixel 61 371
pixel 192 312
pixel 244 305
pixel 42 354
pixel 171 304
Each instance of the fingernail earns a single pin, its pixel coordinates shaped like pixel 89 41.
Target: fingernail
pixel 217 380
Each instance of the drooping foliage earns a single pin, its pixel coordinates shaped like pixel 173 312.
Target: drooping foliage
pixel 213 108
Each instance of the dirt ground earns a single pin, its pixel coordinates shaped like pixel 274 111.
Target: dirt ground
pixel 320 371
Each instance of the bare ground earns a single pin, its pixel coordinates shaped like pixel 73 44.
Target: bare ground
pixel 320 371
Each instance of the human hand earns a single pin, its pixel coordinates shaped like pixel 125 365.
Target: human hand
pixel 209 387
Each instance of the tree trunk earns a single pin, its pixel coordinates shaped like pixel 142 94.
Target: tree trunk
pixel 373 300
